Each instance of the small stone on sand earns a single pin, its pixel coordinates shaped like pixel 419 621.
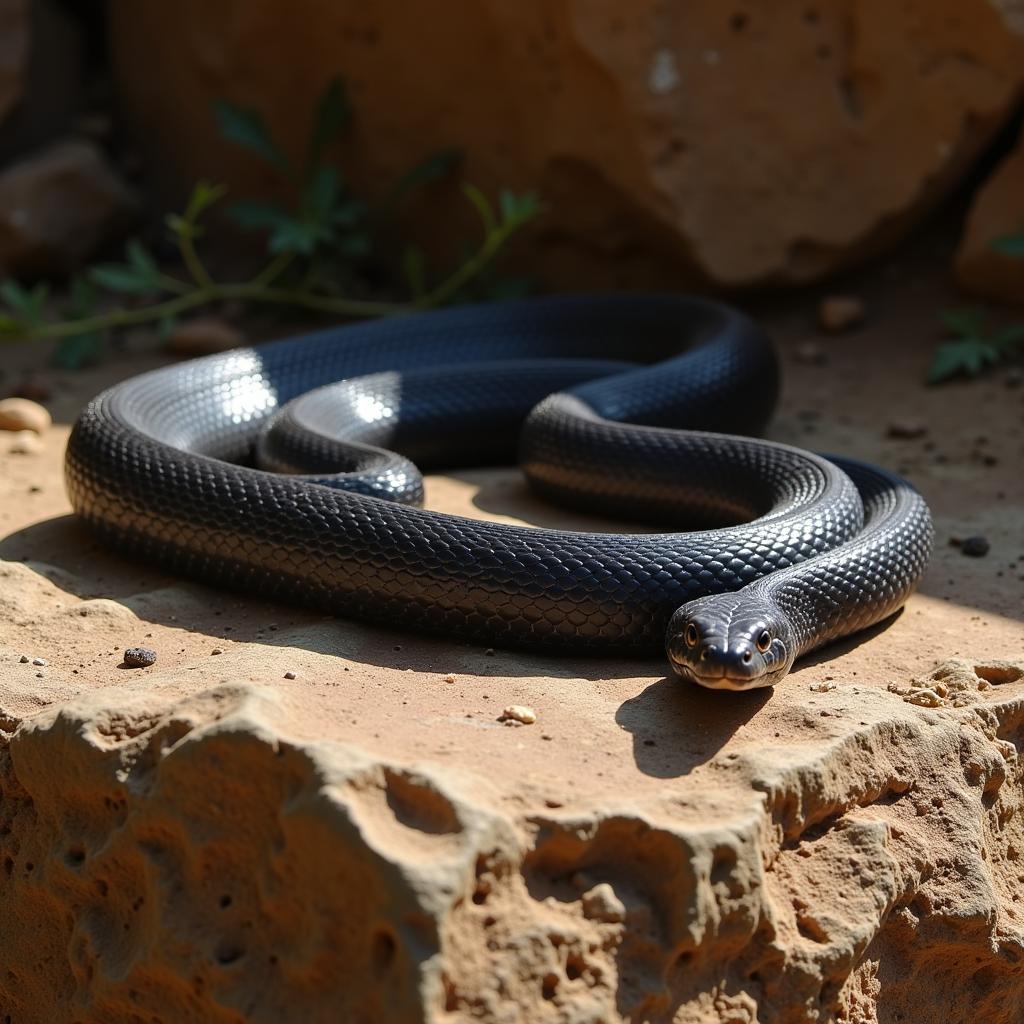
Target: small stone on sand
pixel 139 657
pixel 518 713
pixel 22 414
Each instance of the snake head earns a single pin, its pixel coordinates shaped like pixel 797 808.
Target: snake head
pixel 731 642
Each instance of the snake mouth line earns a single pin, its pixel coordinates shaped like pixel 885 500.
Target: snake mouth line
pixel 718 681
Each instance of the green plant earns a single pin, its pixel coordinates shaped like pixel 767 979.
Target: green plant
pixel 973 345
pixel 317 246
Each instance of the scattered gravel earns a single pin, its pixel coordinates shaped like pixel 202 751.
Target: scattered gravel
pixel 139 657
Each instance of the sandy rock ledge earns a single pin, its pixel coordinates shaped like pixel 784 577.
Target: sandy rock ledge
pixel 182 859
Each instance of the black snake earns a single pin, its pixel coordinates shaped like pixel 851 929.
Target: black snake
pixel 631 399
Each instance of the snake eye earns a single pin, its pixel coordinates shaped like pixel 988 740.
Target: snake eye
pixel 764 640
pixel 691 635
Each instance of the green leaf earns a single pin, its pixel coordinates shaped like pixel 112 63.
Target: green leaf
pixel 961 357
pixel 83 298
pixel 483 206
pixel 435 167
pixel 142 261
pixel 121 277
pixel 298 236
pixel 204 195
pixel 333 115
pixel 350 213
pixel 413 268
pixel 28 303
pixel 964 322
pixel 256 214
pixel 165 326
pixel 246 127
pixel 79 350
pixel 1010 245
pixel 516 210
pixel 1009 337
pixel 320 195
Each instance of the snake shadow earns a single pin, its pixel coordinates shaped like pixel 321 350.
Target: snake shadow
pixel 678 726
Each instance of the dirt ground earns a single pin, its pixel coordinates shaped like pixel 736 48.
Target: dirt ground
pixel 606 730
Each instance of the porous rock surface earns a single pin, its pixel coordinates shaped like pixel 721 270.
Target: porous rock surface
pixel 186 859
pixel 740 144
pixel 325 822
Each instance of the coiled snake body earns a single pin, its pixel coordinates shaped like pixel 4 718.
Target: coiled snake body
pixel 791 549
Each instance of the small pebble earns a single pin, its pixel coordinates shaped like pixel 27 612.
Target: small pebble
pixel 24 659
pixel 973 547
pixel 601 904
pixel 837 313
pixel 489 653
pixel 217 650
pixel 23 414
pixel 906 429
pixel 139 657
pixel 290 675
pixel 518 713
pixel 39 661
pixel 822 687
pixel 449 678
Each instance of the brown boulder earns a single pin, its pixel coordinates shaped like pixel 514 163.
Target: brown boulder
pixel 997 211
pixel 673 144
pixel 42 71
pixel 57 207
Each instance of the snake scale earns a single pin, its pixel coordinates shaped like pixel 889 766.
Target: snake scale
pixel 257 470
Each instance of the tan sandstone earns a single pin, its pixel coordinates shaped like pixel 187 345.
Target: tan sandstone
pixel 327 823
pixel 996 212
pixel 737 144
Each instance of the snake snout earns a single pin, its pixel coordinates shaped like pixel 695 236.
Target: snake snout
pixel 728 642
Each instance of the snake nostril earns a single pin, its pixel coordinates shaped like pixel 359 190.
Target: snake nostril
pixel 748 657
